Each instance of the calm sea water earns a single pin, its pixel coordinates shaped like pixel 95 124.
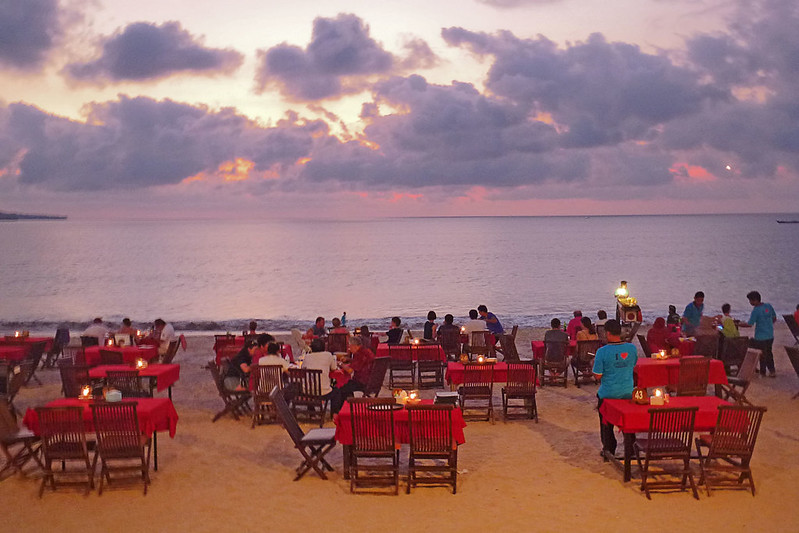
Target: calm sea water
pixel 217 274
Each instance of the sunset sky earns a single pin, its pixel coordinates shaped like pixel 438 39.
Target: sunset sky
pixel 351 109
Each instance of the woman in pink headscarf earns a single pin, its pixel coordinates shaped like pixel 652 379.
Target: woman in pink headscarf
pixel 656 337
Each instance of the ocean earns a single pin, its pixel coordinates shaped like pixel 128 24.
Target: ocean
pixel 215 275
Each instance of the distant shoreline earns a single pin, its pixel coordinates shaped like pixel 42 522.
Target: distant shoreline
pixel 19 216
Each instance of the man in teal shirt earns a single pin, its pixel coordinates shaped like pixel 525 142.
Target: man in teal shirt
pixel 692 316
pixel 613 365
pixel 763 318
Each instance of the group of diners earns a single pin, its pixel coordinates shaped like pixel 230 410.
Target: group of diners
pixel 160 334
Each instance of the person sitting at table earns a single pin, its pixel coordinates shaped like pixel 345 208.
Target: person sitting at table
pixel 728 326
pixel 96 329
pixel 161 336
pixel 602 317
pixel 575 324
pixel 556 334
pixel 587 332
pixel 613 367
pixel 395 332
pixel 360 366
pixel 473 324
pixel 448 325
pixel 493 324
pixel 251 329
pixel 672 317
pixel 430 327
pixel 656 336
pixel 338 327
pixel 273 356
pixel 127 328
pixel 320 359
pixel 692 316
pixel 239 367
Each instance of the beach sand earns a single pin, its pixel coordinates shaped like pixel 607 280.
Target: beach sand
pixel 515 476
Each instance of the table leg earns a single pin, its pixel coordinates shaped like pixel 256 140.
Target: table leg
pixel 169 391
pixel 346 455
pixel 629 438
pixel 719 390
pixel 155 449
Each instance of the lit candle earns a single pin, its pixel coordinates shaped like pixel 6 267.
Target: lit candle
pixel 16 333
pixel 141 363
pixel 416 341
pixel 110 342
pixel 86 392
pixel 413 395
pixel 463 329
pixel 138 333
pixel 480 359
pixel 658 393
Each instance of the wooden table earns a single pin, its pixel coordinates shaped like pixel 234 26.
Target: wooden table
pixel 632 418
pixel 435 350
pixel 129 353
pixel 12 354
pixel 159 377
pixel 664 372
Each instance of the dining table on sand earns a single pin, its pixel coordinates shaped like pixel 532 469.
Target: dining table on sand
pixel 12 354
pixel 435 350
pixel 632 418
pixel 154 414
pixel 539 349
pixel 160 377
pixel 343 421
pixel 664 372
pixel 11 340
pixel 129 353
pixel 230 348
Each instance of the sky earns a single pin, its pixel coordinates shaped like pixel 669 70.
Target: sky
pixel 361 109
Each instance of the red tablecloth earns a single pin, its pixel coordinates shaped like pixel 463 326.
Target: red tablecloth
pixel 539 348
pixel 129 353
pixel 382 350
pixel 633 418
pixel 155 414
pixel 662 372
pixel 454 374
pixel 285 349
pixel 683 344
pixel 344 425
pixel 12 353
pixel 165 375
pixel 27 341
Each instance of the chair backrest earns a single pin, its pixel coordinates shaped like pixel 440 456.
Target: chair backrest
pixel 171 352
pixel 73 378
pixel 479 339
pixel 508 344
pixel 216 374
pixel 286 416
pixel 111 357
pixel 602 334
pixel 4 376
pixel 86 341
pixel 733 351
pixel 427 352
pixel 63 432
pixel 451 341
pixel 478 375
pixel 8 423
pixel 793 356
pixel 671 430
pixel 117 427
pixel 586 351
pixel 693 376
pixel 514 330
pixel 266 378
pixel 555 352
pixel 308 382
pixel 61 336
pixel 430 428
pixel 337 342
pixel 746 371
pixel 127 382
pixel 792 325
pixel 379 368
pixel 644 345
pixel 736 430
pixel 707 345
pixel 372 422
pixel 18 376
pixel 35 353
pixel 521 378
pixel 400 353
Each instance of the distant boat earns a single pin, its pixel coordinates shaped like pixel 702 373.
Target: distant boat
pixel 788 222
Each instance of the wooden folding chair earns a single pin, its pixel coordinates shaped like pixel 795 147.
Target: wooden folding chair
pixel 480 344
pixel 451 343
pixel 73 378
pixel 128 382
pixel 583 362
pixel 793 356
pixel 707 345
pixel 264 379
pixel 478 386
pixel 509 352
pixel 429 366
pixel 402 369
pixel 668 441
pixel 730 447
pixel 171 352
pixel 645 349
pixel 430 444
pixel 733 352
pixel 377 377
pixel 693 376
pixel 63 435
pixel 11 436
pixel 313 446
pixel 337 342
pixel 555 365
pixel 34 358
pixel 308 393
pixel 236 402
pixel 739 384
pixel 792 326
pixel 374 454
pixel 520 386
pixel 121 446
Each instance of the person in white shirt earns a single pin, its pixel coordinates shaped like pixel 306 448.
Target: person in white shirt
pixel 162 335
pixel 97 329
pixel 272 356
pixel 602 317
pixel 474 324
pixel 319 359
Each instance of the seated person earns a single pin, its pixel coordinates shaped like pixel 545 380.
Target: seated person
pixel 673 317
pixel 395 333
pixel 613 366
pixel 692 315
pixel 127 328
pixel 575 324
pixel 448 325
pixel 588 331
pixel 360 367
pixel 492 322
pixel 161 336
pixel 556 334
pixel 430 327
pixel 251 328
pixel 239 367
pixel 317 330
pixel 602 317
pixel 273 356
pixel 728 326
pixel 338 327
pixel 319 359
pixel 657 334
pixel 474 323
pixel 97 330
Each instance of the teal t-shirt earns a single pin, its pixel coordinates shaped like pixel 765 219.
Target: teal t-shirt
pixel 762 318
pixel 615 362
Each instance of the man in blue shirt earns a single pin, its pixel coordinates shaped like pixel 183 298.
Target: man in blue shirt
pixel 762 318
pixel 692 316
pixel 613 365
pixel 492 322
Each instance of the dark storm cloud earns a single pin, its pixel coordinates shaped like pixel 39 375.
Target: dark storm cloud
pixel 139 142
pixel 144 51
pixel 339 59
pixel 28 29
